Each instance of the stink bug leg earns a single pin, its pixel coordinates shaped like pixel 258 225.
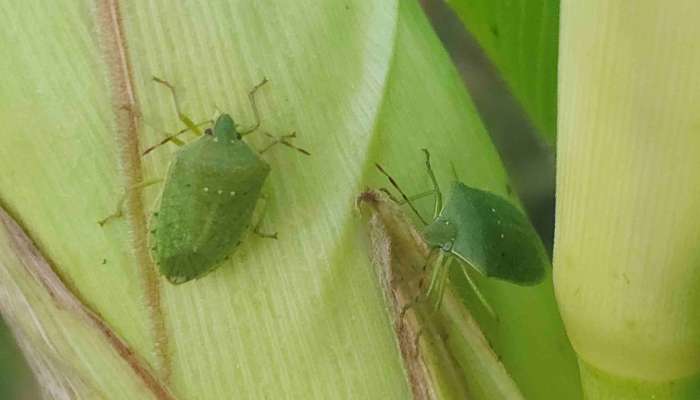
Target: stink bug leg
pixel 120 205
pixel 441 267
pixel 423 295
pixel 258 223
pixel 284 139
pixel 478 293
pixel 183 117
pixel 189 123
pixel 254 106
pixel 436 188
pixel 173 138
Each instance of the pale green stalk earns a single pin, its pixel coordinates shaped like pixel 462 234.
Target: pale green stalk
pixel 627 247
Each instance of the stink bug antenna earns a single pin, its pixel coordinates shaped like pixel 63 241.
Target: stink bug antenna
pixel 403 195
pixel 173 138
pixel 436 187
pixel 184 118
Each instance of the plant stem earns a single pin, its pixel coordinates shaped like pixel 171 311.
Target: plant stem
pixel 627 243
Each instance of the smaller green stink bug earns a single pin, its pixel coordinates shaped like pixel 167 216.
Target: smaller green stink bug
pixel 481 230
pixel 209 196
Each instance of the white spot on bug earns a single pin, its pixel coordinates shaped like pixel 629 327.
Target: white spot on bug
pixel 206 189
pixel 493 210
pixel 232 193
pixel 216 139
pixel 219 191
pixel 502 236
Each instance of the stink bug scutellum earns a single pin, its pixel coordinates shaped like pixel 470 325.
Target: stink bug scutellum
pixel 481 230
pixel 209 196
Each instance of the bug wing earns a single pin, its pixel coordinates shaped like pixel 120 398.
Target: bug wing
pixel 206 207
pixel 494 236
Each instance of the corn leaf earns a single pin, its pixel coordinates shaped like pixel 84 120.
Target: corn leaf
pixel 521 39
pixel 297 317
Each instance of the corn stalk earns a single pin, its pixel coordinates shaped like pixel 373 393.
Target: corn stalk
pixel 627 246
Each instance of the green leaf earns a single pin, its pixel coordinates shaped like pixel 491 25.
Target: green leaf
pixel 521 39
pixel 299 317
pixel 74 351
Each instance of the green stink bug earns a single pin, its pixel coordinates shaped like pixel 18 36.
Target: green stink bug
pixel 481 230
pixel 207 203
pixel 209 196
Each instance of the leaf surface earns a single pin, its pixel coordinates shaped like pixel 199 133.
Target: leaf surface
pixel 521 39
pixel 299 317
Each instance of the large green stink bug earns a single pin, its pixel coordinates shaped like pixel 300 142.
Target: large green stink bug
pixel 481 230
pixel 207 203
pixel 209 196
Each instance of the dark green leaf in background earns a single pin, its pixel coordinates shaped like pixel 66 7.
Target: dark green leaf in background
pixel 521 38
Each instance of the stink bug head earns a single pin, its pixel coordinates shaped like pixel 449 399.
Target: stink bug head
pixel 225 129
pixel 440 234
